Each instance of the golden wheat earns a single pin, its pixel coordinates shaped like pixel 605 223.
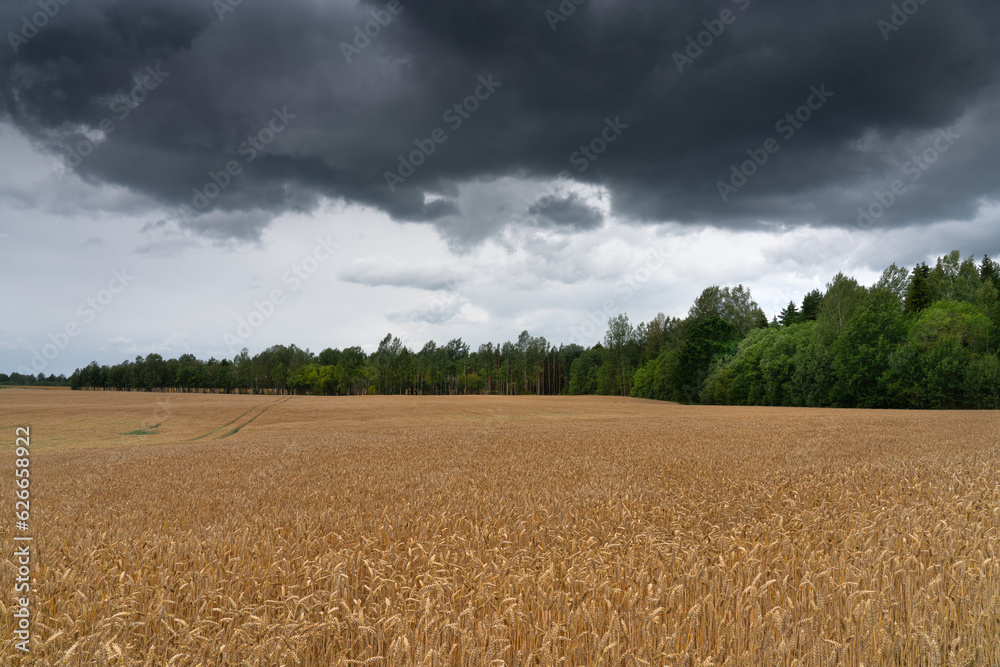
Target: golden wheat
pixel 503 531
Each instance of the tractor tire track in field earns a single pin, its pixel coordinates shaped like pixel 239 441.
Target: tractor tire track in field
pixel 210 433
pixel 255 416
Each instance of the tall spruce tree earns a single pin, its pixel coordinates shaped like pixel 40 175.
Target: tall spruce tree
pixel 988 270
pixel 790 314
pixel 810 306
pixel 918 293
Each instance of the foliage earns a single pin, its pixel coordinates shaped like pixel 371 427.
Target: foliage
pixel 920 338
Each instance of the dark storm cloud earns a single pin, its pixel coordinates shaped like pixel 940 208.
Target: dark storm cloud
pixel 454 91
pixel 565 212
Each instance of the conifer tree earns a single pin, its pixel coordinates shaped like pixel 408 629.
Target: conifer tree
pixel 918 294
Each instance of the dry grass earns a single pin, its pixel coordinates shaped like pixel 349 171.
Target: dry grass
pixel 491 531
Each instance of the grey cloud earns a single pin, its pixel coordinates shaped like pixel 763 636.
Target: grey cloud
pixel 380 273
pixel 437 312
pixel 354 120
pixel 566 212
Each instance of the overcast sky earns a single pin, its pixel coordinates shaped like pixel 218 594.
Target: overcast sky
pixel 195 176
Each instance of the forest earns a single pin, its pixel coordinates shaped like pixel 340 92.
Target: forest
pixel 40 380
pixel 924 338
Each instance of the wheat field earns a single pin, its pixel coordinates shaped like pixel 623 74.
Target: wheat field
pixel 185 529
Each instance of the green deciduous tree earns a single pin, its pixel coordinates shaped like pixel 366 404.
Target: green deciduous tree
pixel 894 279
pixel 862 352
pixel 617 341
pixel 706 340
pixel 944 358
pixel 733 304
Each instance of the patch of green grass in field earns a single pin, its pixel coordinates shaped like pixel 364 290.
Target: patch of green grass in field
pixel 145 431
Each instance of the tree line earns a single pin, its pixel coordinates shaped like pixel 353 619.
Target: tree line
pixel 920 338
pixel 28 380
pixel 926 338
pixel 528 366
